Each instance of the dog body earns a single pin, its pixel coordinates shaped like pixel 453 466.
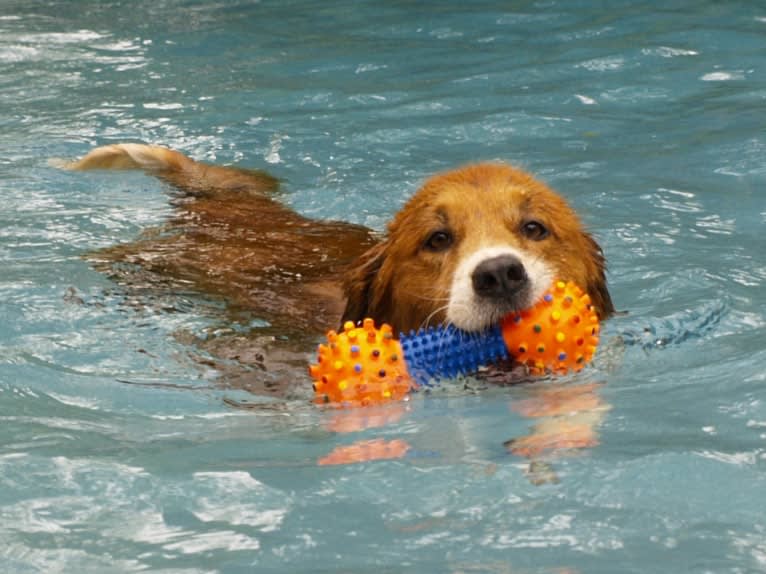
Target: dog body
pixel 470 246
pixel 231 238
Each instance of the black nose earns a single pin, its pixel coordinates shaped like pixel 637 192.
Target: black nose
pixel 499 277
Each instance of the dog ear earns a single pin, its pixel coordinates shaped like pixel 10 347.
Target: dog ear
pixel 596 286
pixel 361 299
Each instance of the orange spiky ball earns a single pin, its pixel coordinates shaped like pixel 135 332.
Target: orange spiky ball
pixel 360 366
pixel 558 334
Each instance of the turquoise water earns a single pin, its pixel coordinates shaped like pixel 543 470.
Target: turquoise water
pixel 120 452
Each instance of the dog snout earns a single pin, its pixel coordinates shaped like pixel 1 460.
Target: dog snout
pixel 499 277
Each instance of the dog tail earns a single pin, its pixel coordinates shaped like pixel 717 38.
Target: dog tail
pixel 151 158
pixel 174 167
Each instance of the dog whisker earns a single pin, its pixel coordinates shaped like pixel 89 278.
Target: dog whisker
pixel 426 298
pixel 426 322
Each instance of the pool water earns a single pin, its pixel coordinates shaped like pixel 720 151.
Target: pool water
pixel 120 452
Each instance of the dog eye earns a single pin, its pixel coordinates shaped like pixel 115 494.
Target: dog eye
pixel 439 241
pixel 534 230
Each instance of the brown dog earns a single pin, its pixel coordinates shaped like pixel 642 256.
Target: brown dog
pixel 470 246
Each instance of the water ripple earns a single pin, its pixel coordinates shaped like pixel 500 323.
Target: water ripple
pixel 677 328
pixel 119 452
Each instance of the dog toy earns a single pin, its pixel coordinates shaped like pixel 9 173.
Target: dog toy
pixel 362 365
pixel 366 365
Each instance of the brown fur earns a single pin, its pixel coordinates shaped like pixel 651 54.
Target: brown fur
pixel 399 282
pixel 231 238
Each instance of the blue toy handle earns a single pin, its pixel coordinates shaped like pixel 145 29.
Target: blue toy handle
pixel 445 351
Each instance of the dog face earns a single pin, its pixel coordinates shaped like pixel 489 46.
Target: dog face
pixel 469 247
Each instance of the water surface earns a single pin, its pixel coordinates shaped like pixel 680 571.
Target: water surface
pixel 120 452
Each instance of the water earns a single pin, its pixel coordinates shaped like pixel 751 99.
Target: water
pixel 120 452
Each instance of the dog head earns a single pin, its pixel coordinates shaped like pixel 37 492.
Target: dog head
pixel 471 246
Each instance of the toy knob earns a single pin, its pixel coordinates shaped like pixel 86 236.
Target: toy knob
pixel 362 365
pixel 558 334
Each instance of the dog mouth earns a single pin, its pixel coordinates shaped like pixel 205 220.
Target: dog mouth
pixel 493 283
pixel 488 313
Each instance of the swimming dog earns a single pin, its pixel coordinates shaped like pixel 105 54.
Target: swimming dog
pixel 471 245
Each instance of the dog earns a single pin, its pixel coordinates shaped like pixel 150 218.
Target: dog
pixel 470 246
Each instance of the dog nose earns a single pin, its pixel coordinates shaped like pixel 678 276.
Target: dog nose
pixel 499 277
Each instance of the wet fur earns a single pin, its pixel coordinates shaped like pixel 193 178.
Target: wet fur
pixel 231 237
pixel 483 205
